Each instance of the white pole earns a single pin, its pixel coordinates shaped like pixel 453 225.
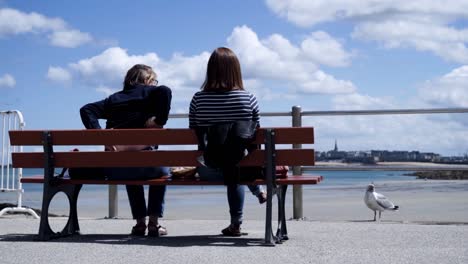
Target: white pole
pixel 8 154
pixel 3 149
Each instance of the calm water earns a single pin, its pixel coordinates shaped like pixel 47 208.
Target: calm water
pixel 331 178
pixel 94 202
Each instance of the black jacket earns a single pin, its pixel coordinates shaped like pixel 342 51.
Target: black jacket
pixel 224 145
pixel 129 108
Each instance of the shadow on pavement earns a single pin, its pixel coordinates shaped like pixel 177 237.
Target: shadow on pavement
pixel 167 241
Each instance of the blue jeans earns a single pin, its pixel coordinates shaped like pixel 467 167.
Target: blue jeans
pixel 235 192
pixel 136 194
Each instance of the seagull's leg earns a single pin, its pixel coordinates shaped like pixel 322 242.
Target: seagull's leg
pixel 380 215
pixel 375 214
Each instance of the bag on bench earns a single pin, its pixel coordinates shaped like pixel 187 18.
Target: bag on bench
pixel 83 173
pixel 143 173
pixel 183 172
pixel 281 171
pixel 86 173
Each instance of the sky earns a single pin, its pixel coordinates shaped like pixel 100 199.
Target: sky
pixel 56 56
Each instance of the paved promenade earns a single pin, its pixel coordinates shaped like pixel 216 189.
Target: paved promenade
pixel 198 241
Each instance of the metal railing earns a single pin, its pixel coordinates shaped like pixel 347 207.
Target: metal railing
pixel 297 114
pixel 10 178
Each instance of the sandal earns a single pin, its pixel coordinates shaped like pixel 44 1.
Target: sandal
pixel 156 230
pixel 231 230
pixel 139 229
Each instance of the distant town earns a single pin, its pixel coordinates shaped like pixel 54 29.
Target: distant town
pixel 374 156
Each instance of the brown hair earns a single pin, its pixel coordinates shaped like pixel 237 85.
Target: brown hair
pixel 139 74
pixel 223 72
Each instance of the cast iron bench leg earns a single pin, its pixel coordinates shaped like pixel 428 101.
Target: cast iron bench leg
pixel 282 232
pixel 45 232
pixel 268 225
pixel 72 226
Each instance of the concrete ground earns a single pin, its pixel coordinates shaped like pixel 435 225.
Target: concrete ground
pixel 199 241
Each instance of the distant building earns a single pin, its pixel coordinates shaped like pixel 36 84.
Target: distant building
pixel 335 154
pixel 373 156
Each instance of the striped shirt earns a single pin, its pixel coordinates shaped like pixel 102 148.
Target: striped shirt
pixel 208 108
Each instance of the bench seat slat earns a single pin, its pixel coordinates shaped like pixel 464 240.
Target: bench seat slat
pixel 71 159
pixel 167 136
pixel 291 179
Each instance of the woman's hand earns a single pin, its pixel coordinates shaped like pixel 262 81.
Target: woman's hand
pixel 150 123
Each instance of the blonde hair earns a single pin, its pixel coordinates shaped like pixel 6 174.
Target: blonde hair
pixel 138 74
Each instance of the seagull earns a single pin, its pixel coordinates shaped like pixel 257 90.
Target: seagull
pixel 378 202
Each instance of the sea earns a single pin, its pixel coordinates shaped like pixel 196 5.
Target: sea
pixel 326 199
pixel 331 179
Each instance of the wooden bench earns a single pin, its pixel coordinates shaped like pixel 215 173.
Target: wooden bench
pixel 49 159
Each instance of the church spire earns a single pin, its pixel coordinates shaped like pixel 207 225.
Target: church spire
pixel 336 146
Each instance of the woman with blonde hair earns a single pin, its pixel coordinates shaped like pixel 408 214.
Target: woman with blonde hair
pixel 140 104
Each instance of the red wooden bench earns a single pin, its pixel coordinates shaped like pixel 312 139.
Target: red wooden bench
pixel 49 159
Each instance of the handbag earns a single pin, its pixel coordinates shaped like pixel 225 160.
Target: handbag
pixel 83 173
pixel 183 172
pixel 281 171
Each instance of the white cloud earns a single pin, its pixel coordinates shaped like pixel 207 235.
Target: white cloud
pixel 14 22
pixel 442 134
pixel 444 41
pixel 7 81
pixel 110 66
pixel 58 74
pixel 355 101
pixel 108 69
pixel 308 13
pixel 106 90
pixel 280 45
pixel 396 132
pixel 450 90
pixel 425 25
pixel 275 58
pixel 69 38
pixel 322 48
pixel 184 72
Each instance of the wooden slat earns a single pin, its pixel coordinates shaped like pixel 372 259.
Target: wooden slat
pixel 107 137
pixel 289 135
pixel 70 159
pixel 302 179
pixel 286 135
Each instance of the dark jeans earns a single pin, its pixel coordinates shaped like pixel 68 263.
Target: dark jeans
pixel 235 192
pixel 136 194
pixel 136 197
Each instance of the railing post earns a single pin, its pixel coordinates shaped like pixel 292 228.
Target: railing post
pixel 113 201
pixel 297 189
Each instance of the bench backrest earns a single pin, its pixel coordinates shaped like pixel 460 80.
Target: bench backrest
pixel 177 157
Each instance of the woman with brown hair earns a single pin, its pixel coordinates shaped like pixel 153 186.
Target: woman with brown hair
pixel 223 100
pixel 140 104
